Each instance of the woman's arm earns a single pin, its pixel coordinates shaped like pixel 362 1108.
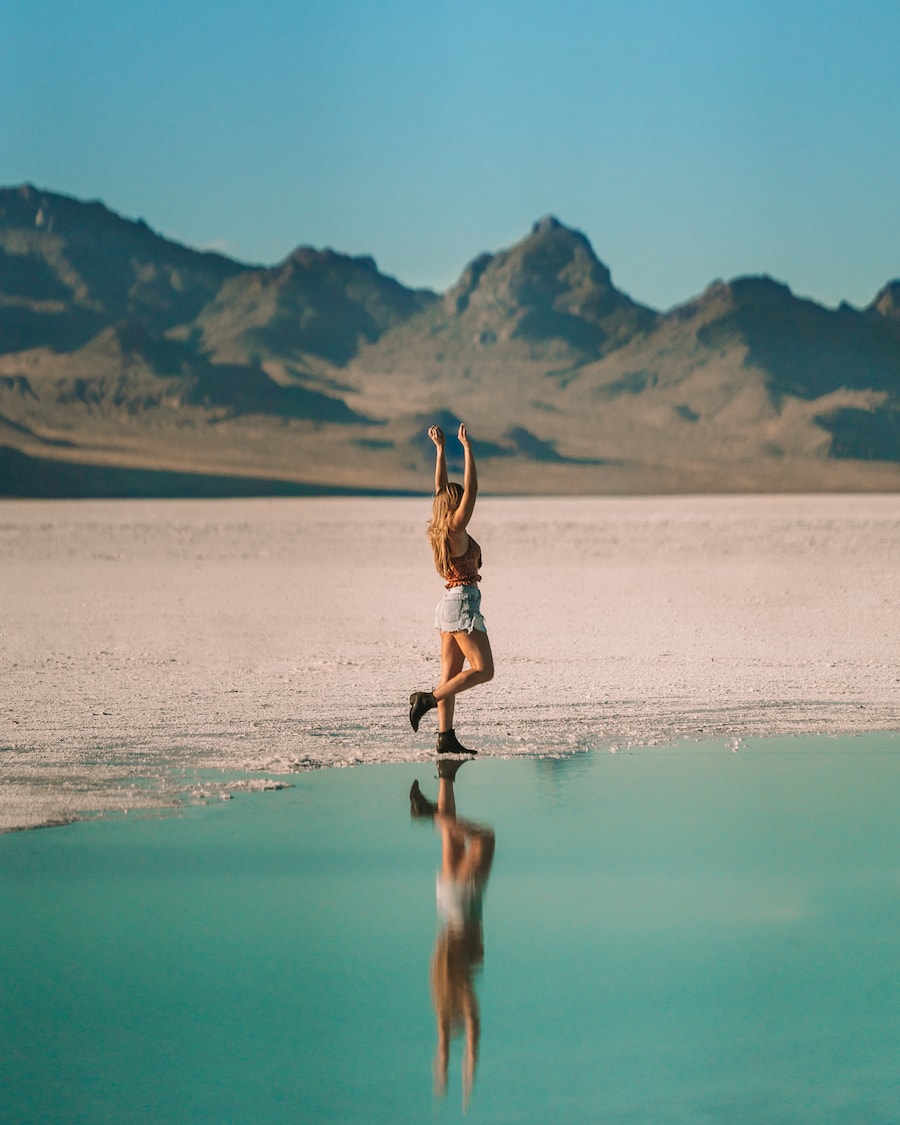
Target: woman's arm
pixel 470 484
pixel 473 1035
pixel 442 1055
pixel 440 468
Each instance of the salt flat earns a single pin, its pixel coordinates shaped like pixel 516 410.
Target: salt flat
pixel 144 640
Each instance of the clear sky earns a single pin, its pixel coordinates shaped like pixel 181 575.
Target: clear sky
pixel 689 140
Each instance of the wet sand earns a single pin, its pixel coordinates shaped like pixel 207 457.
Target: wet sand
pixel 143 641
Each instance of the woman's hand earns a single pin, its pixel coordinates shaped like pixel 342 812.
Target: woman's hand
pixel 437 436
pixel 463 436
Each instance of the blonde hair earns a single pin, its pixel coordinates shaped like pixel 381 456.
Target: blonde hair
pixel 446 501
pixel 456 956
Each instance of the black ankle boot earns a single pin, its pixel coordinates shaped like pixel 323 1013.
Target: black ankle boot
pixel 448 743
pixel 419 805
pixel 448 768
pixel 419 703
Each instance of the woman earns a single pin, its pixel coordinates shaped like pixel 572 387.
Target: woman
pixel 457 558
pixel 467 852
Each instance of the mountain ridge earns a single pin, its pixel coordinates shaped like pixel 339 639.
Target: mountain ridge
pixel 120 348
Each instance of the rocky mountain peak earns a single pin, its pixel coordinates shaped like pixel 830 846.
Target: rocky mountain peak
pixel 308 257
pixel 30 208
pixel 750 289
pixel 549 284
pixel 546 224
pixel 556 257
pixel 887 301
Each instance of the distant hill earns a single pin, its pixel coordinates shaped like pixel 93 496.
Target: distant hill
pixel 129 362
pixel 316 305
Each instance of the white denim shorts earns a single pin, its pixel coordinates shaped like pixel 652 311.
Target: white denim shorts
pixel 459 903
pixel 459 611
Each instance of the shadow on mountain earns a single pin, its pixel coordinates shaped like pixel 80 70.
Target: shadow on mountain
pixel 30 278
pixel 863 435
pixel 248 390
pixel 27 431
pixel 517 442
pixel 539 325
pixel 807 350
pixel 60 329
pixel 28 477
pixel 449 423
pixel 634 383
pixel 240 388
pixel 536 449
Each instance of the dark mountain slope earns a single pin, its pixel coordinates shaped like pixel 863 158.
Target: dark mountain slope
pixel 805 349
pixel 68 269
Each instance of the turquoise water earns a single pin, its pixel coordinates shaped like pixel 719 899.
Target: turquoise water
pixel 685 935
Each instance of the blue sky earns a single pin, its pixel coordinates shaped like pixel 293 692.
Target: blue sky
pixel 688 140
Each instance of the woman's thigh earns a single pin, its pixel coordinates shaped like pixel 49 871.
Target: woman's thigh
pixel 452 657
pixel 476 648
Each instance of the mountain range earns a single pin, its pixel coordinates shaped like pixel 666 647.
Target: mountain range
pixel 132 365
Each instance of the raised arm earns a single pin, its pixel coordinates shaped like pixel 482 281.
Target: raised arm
pixel 470 484
pixel 440 468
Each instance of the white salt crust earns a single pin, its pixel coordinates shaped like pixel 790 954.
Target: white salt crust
pixel 143 641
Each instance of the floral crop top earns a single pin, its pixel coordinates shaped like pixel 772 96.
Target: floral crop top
pixel 464 568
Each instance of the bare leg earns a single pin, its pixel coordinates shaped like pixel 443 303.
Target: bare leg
pixel 452 660
pixel 476 649
pixel 467 848
pixel 446 801
pixel 479 853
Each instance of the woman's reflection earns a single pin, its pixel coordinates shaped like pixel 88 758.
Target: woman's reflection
pixel 467 851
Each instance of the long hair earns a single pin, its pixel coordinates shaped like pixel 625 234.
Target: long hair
pixel 456 957
pixel 457 954
pixel 446 501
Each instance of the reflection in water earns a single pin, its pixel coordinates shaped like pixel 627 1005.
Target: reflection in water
pixel 467 851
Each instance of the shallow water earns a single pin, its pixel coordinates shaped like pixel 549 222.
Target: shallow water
pixel 685 935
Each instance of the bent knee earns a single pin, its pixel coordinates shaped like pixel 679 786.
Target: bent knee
pixel 484 852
